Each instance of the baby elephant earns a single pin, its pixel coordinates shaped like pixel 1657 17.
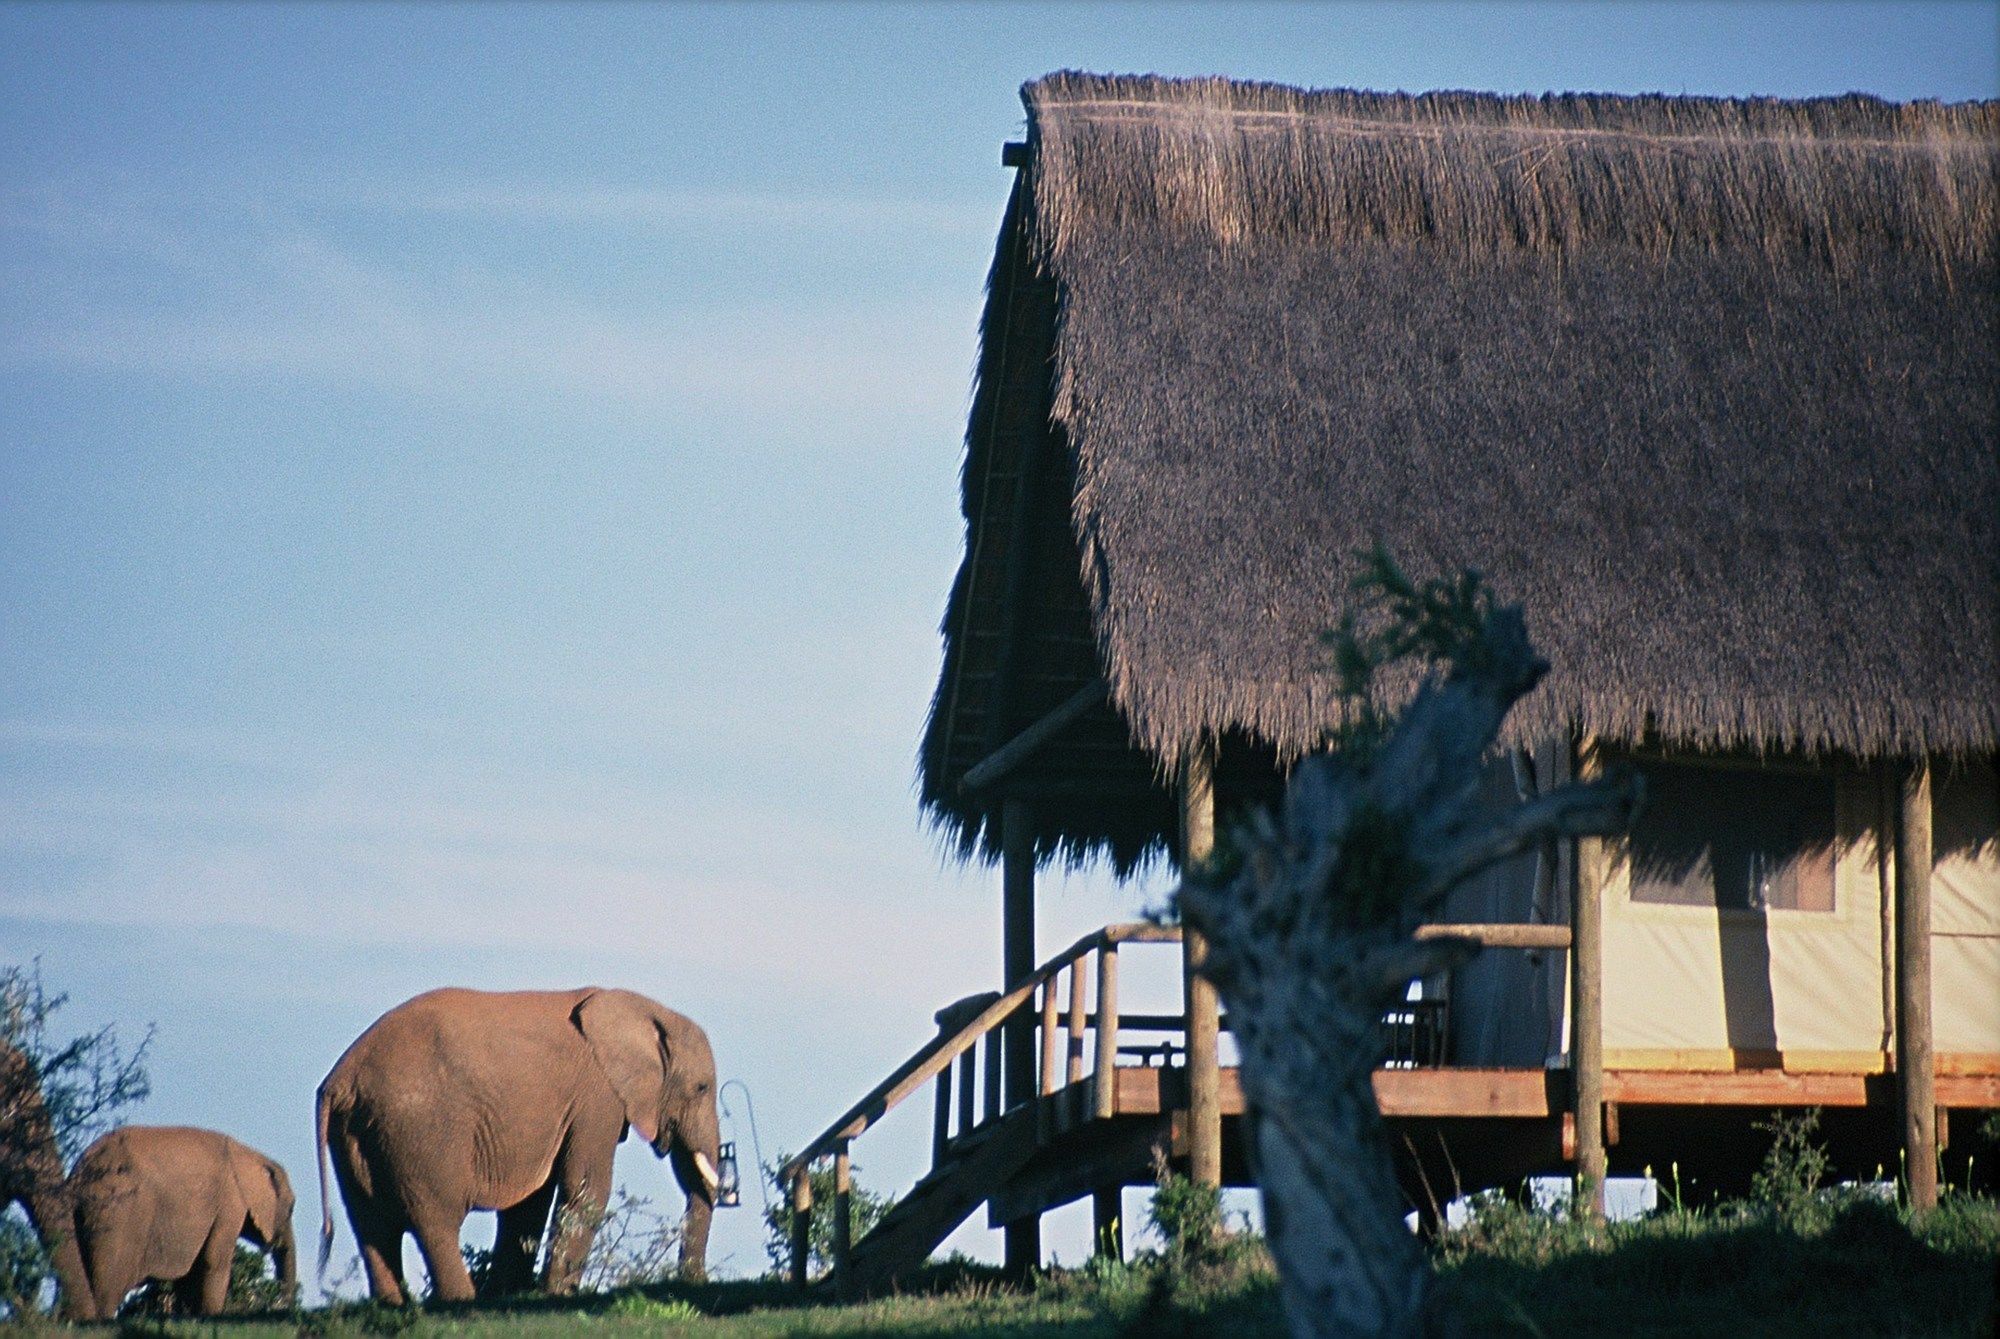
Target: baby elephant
pixel 168 1203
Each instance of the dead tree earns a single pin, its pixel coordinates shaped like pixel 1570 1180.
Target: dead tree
pixel 1310 940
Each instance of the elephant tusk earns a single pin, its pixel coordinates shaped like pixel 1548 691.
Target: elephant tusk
pixel 707 1170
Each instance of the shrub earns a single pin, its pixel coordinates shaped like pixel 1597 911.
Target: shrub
pixel 865 1210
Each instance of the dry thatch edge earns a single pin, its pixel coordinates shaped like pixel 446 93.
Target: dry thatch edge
pixel 1169 716
pixel 1828 178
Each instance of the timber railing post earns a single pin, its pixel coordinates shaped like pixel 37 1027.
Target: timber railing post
pixel 993 1070
pixel 1586 1025
pixel 1104 1085
pixel 941 1118
pixel 968 1090
pixel 802 1208
pixel 1073 1067
pixel 1916 1081
pixel 1047 1076
pixel 843 1214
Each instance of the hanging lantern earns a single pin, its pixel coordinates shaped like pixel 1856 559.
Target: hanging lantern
pixel 728 1186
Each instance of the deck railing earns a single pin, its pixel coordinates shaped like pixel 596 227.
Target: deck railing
pixel 970 1096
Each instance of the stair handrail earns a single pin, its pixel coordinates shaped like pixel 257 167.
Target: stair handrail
pixel 940 1051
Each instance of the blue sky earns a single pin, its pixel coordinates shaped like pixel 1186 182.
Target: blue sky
pixel 478 489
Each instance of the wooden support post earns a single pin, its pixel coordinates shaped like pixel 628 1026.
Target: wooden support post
pixel 1045 1114
pixel 968 1089
pixel 993 1074
pixel 1017 855
pixel 941 1118
pixel 1107 1222
pixel 1586 1015
pixel 843 1215
pixel 1104 1086
pixel 1916 1075
pixel 802 1211
pixel 1073 1069
pixel 1203 1006
pixel 1048 1074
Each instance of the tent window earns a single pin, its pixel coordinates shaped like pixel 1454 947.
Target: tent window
pixel 1745 840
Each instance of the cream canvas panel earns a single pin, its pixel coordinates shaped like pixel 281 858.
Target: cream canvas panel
pixel 1965 834
pixel 1695 979
pixel 1965 909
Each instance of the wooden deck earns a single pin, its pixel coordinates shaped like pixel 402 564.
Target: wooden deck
pixel 1024 1137
pixel 1451 1091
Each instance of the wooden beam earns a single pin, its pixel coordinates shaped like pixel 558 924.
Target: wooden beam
pixel 1014 153
pixel 1501 936
pixel 1738 1088
pixel 1916 1079
pixel 1203 1004
pixel 1023 746
pixel 1586 1021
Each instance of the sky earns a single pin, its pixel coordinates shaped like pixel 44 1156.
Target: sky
pixel 478 489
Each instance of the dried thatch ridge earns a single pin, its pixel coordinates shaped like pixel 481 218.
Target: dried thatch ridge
pixel 1476 173
pixel 1710 387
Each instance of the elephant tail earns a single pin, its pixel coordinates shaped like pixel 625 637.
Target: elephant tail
pixel 325 1204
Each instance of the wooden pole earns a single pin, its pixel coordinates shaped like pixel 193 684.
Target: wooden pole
pixel 843 1215
pixel 968 1089
pixel 941 1119
pixel 1017 855
pixel 1073 1069
pixel 802 1212
pixel 1104 1085
pixel 1203 1006
pixel 1586 1019
pixel 1044 1111
pixel 1915 1070
pixel 993 1074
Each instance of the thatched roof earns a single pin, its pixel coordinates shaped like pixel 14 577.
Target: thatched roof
pixel 1711 387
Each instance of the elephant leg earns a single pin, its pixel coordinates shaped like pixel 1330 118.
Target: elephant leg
pixel 584 1188
pixel 209 1279
pixel 382 1257
pixel 115 1269
pixel 517 1241
pixel 437 1238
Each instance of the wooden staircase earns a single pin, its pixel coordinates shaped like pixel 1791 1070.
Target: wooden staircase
pixel 1091 1125
pixel 995 1139
pixel 946 1197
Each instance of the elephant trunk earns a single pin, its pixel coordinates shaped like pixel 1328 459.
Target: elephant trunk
pixel 693 1155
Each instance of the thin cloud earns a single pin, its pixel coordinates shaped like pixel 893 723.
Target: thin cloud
pixel 255 288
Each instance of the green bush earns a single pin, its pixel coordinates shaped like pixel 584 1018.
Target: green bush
pixel 865 1210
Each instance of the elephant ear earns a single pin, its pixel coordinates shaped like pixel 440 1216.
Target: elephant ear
pixel 631 1049
pixel 265 1192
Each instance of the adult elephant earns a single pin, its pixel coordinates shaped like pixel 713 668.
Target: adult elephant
pixel 464 1099
pixel 169 1202
pixel 31 1173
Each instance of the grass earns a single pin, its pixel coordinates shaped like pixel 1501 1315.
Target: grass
pixel 1845 1264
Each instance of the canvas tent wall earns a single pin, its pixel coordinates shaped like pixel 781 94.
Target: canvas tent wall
pixel 1707 385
